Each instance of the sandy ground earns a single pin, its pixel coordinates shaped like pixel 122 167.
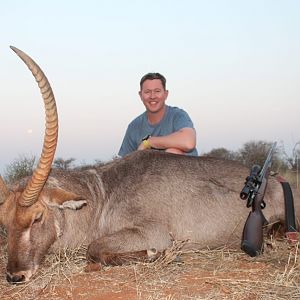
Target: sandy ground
pixel 217 274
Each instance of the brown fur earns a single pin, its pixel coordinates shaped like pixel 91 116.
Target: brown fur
pixel 125 207
pixel 131 205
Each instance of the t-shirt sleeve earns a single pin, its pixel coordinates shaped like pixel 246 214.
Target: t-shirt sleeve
pixel 182 120
pixel 128 144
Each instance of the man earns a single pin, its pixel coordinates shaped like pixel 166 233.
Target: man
pixel 160 127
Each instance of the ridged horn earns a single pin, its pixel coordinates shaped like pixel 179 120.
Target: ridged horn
pixel 40 174
pixel 4 192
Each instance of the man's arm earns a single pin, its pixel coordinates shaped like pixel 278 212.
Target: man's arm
pixel 183 140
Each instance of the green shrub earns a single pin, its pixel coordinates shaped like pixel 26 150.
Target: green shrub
pixel 19 168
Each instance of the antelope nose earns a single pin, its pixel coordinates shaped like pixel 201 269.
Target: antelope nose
pixel 14 278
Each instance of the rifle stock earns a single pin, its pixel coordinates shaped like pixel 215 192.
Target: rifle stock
pixel 252 240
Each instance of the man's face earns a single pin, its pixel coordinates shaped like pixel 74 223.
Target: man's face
pixel 153 95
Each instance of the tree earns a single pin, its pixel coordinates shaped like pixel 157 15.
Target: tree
pixel 19 168
pixel 255 152
pixel 295 159
pixel 222 153
pixel 65 164
pixel 97 163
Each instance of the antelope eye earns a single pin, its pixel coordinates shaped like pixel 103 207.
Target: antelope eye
pixel 38 218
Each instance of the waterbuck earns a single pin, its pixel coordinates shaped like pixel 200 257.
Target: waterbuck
pixel 128 208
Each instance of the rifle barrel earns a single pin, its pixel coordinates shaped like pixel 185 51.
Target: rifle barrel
pixel 268 160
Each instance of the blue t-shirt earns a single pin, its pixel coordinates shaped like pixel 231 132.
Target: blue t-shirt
pixel 173 120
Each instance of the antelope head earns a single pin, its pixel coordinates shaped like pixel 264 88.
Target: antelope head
pixel 24 213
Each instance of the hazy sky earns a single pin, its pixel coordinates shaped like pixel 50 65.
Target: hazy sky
pixel 234 66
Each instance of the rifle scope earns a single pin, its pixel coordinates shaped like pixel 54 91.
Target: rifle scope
pixel 250 182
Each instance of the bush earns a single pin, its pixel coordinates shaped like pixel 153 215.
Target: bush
pixel 255 152
pixel 223 153
pixel 63 164
pixel 252 153
pixel 19 168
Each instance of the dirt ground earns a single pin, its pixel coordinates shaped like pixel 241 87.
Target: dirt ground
pixel 207 274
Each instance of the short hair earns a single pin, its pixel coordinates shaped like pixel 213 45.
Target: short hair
pixel 151 76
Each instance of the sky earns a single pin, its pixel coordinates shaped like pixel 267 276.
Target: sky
pixel 234 66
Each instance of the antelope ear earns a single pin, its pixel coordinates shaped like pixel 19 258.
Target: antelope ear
pixel 4 192
pixel 62 199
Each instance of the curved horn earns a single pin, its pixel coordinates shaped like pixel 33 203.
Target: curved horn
pixel 40 174
pixel 4 192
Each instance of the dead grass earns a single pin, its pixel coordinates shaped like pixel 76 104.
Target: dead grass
pixel 293 177
pixel 178 274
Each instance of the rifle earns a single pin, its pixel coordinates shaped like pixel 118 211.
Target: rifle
pixel 253 191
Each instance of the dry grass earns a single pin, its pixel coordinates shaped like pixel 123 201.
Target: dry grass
pixel 56 267
pixel 293 177
pixel 178 274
